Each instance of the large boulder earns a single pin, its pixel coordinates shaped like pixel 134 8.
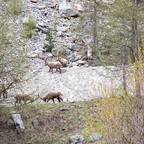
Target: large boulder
pixel 18 121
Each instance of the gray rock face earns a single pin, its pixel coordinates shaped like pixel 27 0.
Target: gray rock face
pixel 18 122
pixel 76 139
pixel 94 137
pixel 76 83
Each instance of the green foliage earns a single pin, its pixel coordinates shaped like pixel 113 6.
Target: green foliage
pixel 14 6
pixel 49 37
pixel 50 46
pixel 29 27
pixel 120 116
pixel 110 27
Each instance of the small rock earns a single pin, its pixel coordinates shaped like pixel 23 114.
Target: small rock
pixel 94 137
pixel 77 55
pixel 65 108
pixel 34 56
pixel 35 122
pixel 45 31
pixel 49 55
pixel 80 62
pixel 42 7
pixel 44 36
pixel 73 39
pixel 41 24
pixel 68 9
pixel 35 1
pixel 76 139
pixel 63 29
pixel 70 65
pixel 53 5
pixel 59 33
pixel 71 46
pixel 74 64
pixel 78 7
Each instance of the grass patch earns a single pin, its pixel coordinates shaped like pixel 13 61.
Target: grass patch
pixel 55 126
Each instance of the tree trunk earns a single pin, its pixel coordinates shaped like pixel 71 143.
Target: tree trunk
pixel 136 47
pixel 124 71
pixel 95 41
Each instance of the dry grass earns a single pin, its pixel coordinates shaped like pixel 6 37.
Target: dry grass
pixel 55 126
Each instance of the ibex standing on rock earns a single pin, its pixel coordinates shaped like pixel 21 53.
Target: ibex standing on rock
pixel 52 95
pixel 52 65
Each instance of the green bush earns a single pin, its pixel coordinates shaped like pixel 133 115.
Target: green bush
pixel 49 47
pixel 29 27
pixel 30 34
pixel 119 115
pixel 15 6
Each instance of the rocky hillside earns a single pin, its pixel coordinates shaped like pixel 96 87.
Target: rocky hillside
pixel 79 81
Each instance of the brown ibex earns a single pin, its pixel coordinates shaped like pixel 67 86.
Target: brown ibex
pixel 52 65
pixel 63 61
pixel 24 98
pixel 52 95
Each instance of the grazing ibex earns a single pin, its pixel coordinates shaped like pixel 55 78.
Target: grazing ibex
pixel 52 65
pixel 63 61
pixel 24 98
pixel 52 95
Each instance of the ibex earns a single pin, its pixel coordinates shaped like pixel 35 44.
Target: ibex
pixel 63 61
pixel 24 98
pixel 52 95
pixel 52 65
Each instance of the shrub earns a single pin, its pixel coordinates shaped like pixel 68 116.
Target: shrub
pixel 49 47
pixel 120 117
pixel 15 6
pixel 29 27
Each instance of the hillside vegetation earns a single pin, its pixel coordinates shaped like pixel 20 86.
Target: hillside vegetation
pixel 101 86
